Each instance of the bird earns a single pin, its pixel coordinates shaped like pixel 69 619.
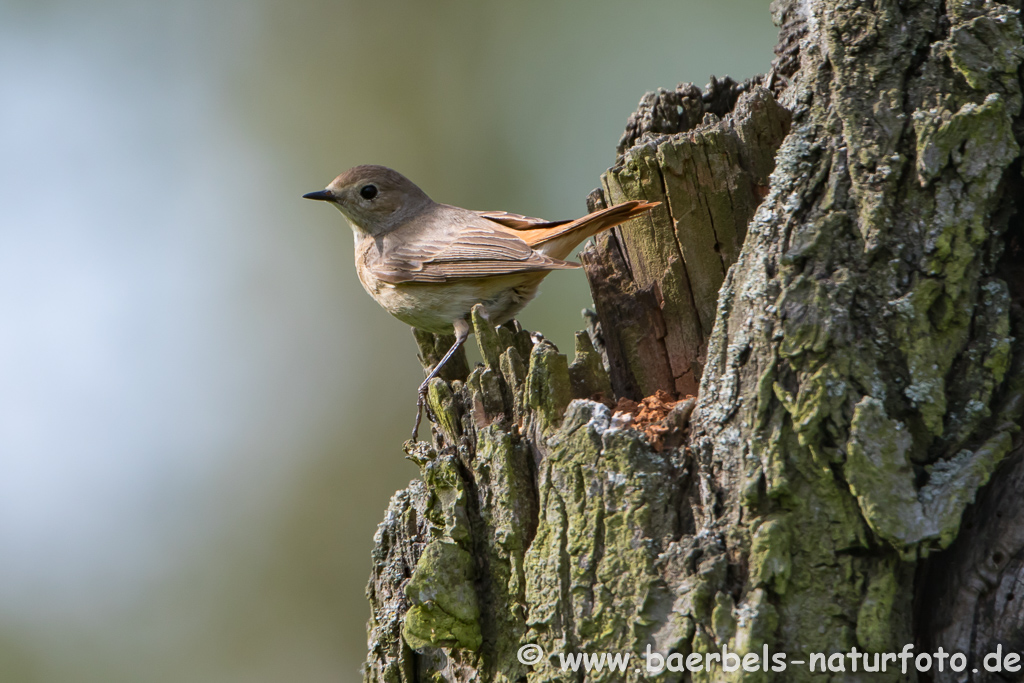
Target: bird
pixel 428 264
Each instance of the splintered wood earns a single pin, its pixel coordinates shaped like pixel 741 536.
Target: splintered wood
pixel 661 417
pixel 706 158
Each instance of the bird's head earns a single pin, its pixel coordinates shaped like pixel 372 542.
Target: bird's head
pixel 375 199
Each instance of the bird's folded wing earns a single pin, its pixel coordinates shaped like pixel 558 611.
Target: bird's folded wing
pixel 475 250
pixel 517 221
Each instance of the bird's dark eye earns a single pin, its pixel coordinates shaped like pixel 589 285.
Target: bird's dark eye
pixel 368 191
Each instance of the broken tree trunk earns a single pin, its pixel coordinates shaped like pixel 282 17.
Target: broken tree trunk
pixel 851 319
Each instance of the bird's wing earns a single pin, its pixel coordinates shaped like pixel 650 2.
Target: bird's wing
pixel 469 246
pixel 517 221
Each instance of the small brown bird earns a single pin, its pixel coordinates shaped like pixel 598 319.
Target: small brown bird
pixel 428 264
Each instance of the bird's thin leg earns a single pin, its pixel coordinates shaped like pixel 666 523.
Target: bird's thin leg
pixel 461 333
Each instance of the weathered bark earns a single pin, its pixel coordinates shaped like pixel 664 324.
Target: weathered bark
pixel 853 320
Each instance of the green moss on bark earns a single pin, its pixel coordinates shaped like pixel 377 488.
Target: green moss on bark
pixel 444 609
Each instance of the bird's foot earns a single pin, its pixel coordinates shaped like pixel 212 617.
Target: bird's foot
pixel 422 406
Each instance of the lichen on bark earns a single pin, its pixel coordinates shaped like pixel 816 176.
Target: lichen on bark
pixel 866 296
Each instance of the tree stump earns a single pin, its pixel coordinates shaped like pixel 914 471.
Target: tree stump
pixel 836 265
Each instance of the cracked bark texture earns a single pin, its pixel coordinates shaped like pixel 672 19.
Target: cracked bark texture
pixel 837 263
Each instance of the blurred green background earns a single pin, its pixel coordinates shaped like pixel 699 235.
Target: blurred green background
pixel 201 412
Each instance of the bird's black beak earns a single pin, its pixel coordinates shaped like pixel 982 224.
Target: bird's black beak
pixel 322 195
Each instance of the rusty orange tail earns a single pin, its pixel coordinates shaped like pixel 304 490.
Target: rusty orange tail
pixel 559 239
